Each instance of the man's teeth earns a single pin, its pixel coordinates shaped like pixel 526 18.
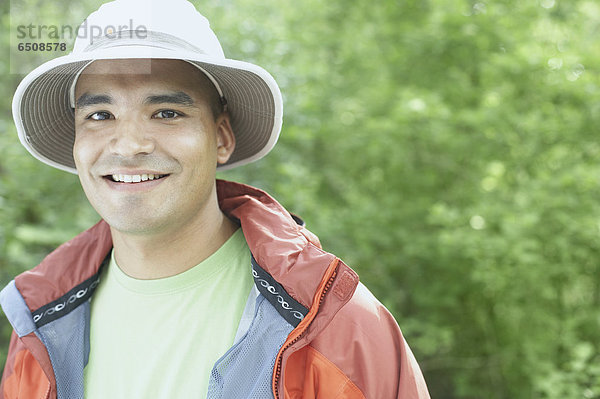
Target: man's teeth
pixel 135 178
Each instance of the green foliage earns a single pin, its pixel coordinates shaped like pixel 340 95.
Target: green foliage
pixel 444 149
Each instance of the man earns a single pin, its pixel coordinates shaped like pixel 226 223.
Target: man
pixel 188 287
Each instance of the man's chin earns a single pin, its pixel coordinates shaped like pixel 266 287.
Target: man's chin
pixel 136 223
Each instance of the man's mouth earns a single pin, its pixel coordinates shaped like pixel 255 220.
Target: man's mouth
pixel 134 178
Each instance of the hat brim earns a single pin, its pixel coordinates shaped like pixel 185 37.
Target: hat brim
pixel 45 120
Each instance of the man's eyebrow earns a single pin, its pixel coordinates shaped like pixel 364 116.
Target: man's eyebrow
pixel 178 97
pixel 87 99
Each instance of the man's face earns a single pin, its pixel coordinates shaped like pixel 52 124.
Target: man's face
pixel 147 144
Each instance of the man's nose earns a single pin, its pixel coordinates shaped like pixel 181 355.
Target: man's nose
pixel 130 139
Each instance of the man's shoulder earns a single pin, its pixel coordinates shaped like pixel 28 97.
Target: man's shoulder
pixel 366 317
pixel 364 341
pixel 69 265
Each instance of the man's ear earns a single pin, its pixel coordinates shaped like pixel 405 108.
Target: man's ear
pixel 225 138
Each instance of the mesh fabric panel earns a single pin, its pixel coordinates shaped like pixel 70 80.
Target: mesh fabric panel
pixel 246 370
pixel 66 341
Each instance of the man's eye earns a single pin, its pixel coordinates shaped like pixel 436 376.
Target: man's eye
pixel 166 114
pixel 100 116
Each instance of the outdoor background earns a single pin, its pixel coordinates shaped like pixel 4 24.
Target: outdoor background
pixel 448 150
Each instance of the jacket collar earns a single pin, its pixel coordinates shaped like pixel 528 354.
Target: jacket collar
pixel 283 248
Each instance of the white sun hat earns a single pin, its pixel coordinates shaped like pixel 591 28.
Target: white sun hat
pixel 163 29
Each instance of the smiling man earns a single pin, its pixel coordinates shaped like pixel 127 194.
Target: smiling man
pixel 188 286
pixel 146 149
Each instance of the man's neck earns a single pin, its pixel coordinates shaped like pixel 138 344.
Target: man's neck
pixel 171 252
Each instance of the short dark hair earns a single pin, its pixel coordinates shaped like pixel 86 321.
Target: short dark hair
pixel 215 101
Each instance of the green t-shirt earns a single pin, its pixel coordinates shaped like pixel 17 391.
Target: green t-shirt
pixel 160 338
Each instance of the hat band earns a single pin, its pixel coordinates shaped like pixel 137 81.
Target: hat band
pixel 151 39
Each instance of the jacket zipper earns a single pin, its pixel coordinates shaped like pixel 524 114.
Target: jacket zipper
pixel 278 362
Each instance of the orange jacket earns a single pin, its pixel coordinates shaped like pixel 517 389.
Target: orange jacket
pixel 343 343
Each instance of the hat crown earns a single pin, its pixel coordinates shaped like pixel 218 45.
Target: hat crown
pixel 178 19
